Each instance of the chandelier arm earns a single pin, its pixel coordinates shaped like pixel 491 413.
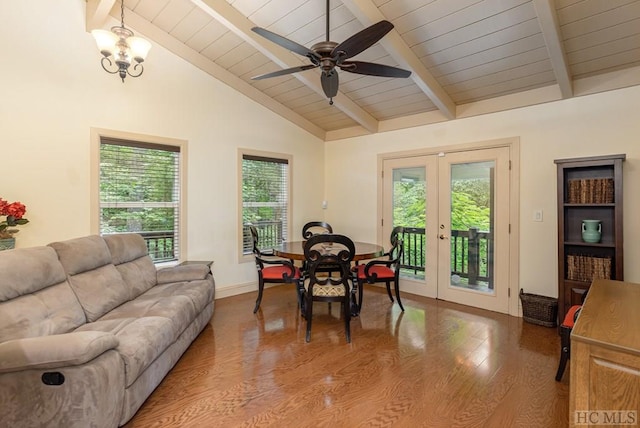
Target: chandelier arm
pixel 106 59
pixel 134 68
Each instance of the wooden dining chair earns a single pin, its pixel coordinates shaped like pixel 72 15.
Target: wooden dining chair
pixel 564 330
pixel 383 270
pixel 271 269
pixel 315 228
pixel 320 251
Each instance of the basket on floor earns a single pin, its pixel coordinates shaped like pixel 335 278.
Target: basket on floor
pixel 540 310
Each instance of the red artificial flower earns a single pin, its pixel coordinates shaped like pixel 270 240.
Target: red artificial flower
pixel 13 213
pixel 3 206
pixel 16 210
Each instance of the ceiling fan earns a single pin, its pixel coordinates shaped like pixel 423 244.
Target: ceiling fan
pixel 328 55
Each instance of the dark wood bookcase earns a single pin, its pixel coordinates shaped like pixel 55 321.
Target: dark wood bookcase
pixel 588 188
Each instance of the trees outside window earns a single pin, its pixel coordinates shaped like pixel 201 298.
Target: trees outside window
pixel 140 192
pixel 265 199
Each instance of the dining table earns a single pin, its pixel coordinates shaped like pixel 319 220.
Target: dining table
pixel 294 250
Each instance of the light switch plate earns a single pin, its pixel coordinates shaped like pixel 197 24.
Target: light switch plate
pixel 537 215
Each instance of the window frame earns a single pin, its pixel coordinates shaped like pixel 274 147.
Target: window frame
pixel 97 134
pixel 242 152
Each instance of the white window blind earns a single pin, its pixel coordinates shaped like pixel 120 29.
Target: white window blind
pixel 140 192
pixel 265 200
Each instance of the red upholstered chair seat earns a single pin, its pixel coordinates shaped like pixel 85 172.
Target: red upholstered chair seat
pixel 380 272
pixel 570 317
pixel 276 272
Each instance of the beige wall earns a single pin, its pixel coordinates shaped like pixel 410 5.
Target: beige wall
pixel 587 126
pixel 54 91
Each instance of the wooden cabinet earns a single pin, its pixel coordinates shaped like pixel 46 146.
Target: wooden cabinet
pixel 604 388
pixel 588 189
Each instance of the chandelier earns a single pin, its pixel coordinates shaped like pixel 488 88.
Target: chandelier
pixel 119 47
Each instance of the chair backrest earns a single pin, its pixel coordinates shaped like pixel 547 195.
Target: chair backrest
pixel 315 228
pixel 329 249
pixel 254 237
pixel 397 231
pixel 397 245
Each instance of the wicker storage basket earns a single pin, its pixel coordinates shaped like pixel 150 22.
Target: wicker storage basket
pixel 539 310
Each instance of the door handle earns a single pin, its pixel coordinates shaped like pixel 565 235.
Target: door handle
pixel 443 237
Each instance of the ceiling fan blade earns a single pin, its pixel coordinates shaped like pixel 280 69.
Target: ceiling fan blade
pixel 361 40
pixel 285 43
pixel 330 83
pixel 284 71
pixel 371 69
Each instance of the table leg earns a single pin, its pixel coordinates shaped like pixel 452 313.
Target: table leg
pixel 355 305
pixel 301 297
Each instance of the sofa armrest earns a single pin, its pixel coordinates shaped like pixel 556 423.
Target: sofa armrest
pixel 183 273
pixel 50 352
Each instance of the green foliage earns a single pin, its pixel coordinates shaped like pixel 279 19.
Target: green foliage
pixel 143 182
pixel 409 204
pixel 263 197
pixel 470 204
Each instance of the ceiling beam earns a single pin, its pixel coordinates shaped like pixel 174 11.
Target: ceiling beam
pixel 368 13
pixel 97 13
pixel 162 38
pixel 240 25
pixel 548 19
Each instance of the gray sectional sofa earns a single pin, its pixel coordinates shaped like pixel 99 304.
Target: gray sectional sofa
pixel 89 328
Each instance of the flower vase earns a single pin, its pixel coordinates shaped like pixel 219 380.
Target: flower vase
pixel 7 243
pixel 591 230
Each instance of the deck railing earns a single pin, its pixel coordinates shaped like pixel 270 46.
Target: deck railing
pixel 471 254
pixel 270 234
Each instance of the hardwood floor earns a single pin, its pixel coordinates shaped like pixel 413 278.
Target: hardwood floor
pixel 436 365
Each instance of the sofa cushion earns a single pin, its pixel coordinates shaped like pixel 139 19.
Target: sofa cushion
pixel 95 280
pixel 26 270
pixel 180 310
pixel 130 256
pixel 199 292
pixel 141 341
pixel 35 297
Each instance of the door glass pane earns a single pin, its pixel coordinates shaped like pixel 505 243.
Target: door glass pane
pixel 409 210
pixel 472 226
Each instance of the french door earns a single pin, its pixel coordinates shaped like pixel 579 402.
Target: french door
pixel 410 200
pixel 455 210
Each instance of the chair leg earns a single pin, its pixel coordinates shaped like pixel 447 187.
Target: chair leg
pixel 259 299
pixel 396 286
pixel 347 319
pixel 309 316
pixel 302 296
pixel 389 290
pixel 360 294
pixel 564 357
pixel 565 351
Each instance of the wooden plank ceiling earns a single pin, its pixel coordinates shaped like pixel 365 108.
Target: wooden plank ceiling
pixel 467 57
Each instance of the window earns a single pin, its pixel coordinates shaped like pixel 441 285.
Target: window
pixel 140 192
pixel 265 198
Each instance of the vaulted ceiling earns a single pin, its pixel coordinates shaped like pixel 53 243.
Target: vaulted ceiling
pixel 467 57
